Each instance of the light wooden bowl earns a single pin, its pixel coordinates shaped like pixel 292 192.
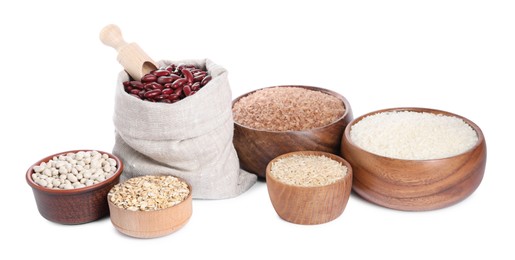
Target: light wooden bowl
pixel 75 206
pixel 256 148
pixel 309 205
pixel 415 185
pixel 151 224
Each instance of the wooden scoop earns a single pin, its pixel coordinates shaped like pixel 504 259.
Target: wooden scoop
pixel 133 59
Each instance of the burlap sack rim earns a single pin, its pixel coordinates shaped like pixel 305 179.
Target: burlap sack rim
pixel 194 126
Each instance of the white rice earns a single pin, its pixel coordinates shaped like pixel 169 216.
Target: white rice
pixel 413 135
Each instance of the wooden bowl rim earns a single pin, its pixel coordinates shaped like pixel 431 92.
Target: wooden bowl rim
pixel 481 138
pixel 189 197
pixel 346 105
pixel 316 153
pixel 61 192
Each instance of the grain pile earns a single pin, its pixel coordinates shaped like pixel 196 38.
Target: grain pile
pixel 413 135
pixel 147 193
pixel 287 109
pixel 307 170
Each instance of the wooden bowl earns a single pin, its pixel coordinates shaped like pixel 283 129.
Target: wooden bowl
pixel 151 224
pixel 415 185
pixel 309 205
pixel 256 148
pixel 74 206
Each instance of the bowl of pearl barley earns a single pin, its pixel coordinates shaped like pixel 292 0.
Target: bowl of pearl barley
pixel 71 187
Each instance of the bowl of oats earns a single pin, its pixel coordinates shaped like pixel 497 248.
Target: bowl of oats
pixel 150 206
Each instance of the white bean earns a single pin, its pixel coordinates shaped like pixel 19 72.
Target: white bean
pixel 79 155
pixel 111 161
pixel 87 174
pixel 47 172
pixel 39 168
pixel 63 170
pixel 71 177
pixel 42 182
pixel 74 170
pixel 56 183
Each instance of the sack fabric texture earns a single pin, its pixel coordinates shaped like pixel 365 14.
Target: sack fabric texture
pixel 190 139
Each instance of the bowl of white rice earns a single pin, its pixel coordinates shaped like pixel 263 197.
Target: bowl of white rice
pixel 414 159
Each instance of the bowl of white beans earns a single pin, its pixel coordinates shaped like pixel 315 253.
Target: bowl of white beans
pixel 71 187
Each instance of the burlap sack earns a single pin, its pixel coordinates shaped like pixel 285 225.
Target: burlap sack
pixel 191 139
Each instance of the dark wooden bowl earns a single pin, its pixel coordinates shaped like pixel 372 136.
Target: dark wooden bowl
pixel 151 224
pixel 309 205
pixel 75 206
pixel 256 148
pixel 415 185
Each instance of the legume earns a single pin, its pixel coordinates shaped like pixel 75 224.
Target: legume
pixel 168 84
pixel 74 170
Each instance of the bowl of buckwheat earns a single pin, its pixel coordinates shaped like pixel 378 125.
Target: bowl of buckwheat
pixel 71 187
pixel 150 206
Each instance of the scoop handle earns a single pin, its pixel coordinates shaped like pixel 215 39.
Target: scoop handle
pixel 111 36
pixel 133 59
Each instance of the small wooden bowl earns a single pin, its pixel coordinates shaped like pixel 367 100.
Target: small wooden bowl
pixel 76 206
pixel 256 148
pixel 309 205
pixel 415 185
pixel 151 224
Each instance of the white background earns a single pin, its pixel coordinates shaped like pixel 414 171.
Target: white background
pixel 58 94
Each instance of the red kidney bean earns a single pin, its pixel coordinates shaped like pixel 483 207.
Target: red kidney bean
pixel 153 93
pixel 160 73
pixel 160 97
pixel 187 90
pixel 180 66
pixel 148 78
pixel 165 79
pixel 167 91
pixel 174 97
pixel 187 74
pixel 195 86
pixel 205 80
pixel 170 68
pixel 136 84
pixel 168 84
pixel 179 83
pixel 177 91
pixel 199 73
pixel 198 78
pixel 136 96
